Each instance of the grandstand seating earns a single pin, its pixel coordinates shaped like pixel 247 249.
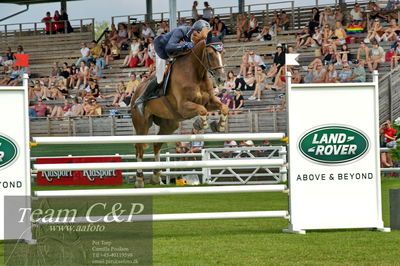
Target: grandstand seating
pixel 44 50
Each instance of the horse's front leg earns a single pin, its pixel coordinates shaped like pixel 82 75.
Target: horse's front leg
pixel 156 178
pixel 190 109
pixel 139 172
pixel 215 104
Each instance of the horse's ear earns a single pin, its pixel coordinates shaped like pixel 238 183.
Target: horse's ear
pixel 209 37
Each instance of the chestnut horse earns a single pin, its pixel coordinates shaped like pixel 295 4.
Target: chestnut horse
pixel 189 94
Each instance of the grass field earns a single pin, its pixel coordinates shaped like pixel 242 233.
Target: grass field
pixel 252 241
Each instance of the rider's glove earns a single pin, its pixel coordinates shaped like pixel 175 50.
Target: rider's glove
pixel 189 45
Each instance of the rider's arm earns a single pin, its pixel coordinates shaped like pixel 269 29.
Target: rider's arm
pixel 174 44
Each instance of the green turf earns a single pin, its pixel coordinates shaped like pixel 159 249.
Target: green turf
pixel 255 241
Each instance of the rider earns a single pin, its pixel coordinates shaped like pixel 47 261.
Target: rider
pixel 170 45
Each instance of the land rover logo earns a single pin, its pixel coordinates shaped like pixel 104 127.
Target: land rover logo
pixel 333 144
pixel 8 151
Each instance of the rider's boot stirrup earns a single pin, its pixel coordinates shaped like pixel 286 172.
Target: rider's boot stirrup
pixel 151 88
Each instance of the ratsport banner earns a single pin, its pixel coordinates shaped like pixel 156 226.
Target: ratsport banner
pixel 334 156
pixel 87 177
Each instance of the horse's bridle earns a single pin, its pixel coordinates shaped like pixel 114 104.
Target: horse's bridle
pixel 209 68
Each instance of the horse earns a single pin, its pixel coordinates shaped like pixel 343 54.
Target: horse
pixel 189 94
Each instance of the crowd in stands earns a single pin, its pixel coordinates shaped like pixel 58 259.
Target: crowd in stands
pixel 328 34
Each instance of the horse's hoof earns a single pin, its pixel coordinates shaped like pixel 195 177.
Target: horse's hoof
pixel 221 129
pixel 197 124
pixel 156 179
pixel 214 126
pixel 139 182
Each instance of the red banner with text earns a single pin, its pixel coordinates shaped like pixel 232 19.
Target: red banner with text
pixel 79 178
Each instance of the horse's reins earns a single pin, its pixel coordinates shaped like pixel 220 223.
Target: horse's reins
pixel 207 68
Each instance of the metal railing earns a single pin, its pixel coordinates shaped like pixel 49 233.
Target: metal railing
pixel 225 11
pixel 39 28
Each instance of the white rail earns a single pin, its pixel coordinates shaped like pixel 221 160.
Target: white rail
pixel 160 165
pixel 157 138
pixel 160 191
pixel 172 217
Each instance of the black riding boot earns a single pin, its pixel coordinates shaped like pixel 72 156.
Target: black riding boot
pixel 149 91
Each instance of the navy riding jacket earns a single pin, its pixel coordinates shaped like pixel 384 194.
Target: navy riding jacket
pixel 169 43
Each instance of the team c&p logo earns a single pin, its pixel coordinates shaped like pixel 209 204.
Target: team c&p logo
pixel 333 144
pixel 8 151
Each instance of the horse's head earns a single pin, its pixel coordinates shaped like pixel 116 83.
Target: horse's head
pixel 215 59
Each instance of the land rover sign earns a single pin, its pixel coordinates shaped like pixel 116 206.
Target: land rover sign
pixel 8 151
pixel 333 144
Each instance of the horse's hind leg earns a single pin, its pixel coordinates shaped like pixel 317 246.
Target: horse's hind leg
pixel 167 127
pixel 139 172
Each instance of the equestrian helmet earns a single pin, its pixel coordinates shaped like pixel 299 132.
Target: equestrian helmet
pixel 200 24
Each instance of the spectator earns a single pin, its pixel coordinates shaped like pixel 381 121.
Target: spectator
pixel 218 28
pixel 357 16
pixel 105 54
pixel 181 23
pixel 346 74
pixel 327 18
pixel 343 55
pixel 327 35
pixel 147 32
pixel 8 60
pixel 95 53
pixel 340 34
pixel 256 60
pixel 245 64
pixel 133 31
pixel 122 34
pixel 375 33
pixel 65 73
pixel 150 57
pixel 113 34
pixel 74 76
pixel 208 12
pixel 309 76
pixel 314 22
pixel 261 84
pixel 329 56
pixel 230 82
pixel 64 18
pixel 241 26
pixel 275 18
pixel 183 146
pixel 115 51
pixel 247 143
pixel 248 83
pixel 395 58
pixel 50 25
pixel 39 109
pixel 392 33
pixel 54 74
pixel 95 71
pixel 83 75
pixel 363 52
pixel 252 28
pixel 94 108
pixel 36 92
pixel 77 108
pixel 54 93
pixel 60 27
pixel 163 28
pixel 61 111
pixel 319 74
pixel 316 39
pixel 196 146
pixel 268 32
pixel 283 23
pixel 132 59
pixel 331 74
pixel 296 76
pixel 118 96
pixel 377 56
pixel 230 144
pixel 279 57
pixel 391 12
pixel 226 99
pixel 20 50
pixel 195 13
pixel 303 37
pixel 339 16
pixel 359 74
pixel 238 101
pixel 389 136
pixel 131 88
pixel 85 52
